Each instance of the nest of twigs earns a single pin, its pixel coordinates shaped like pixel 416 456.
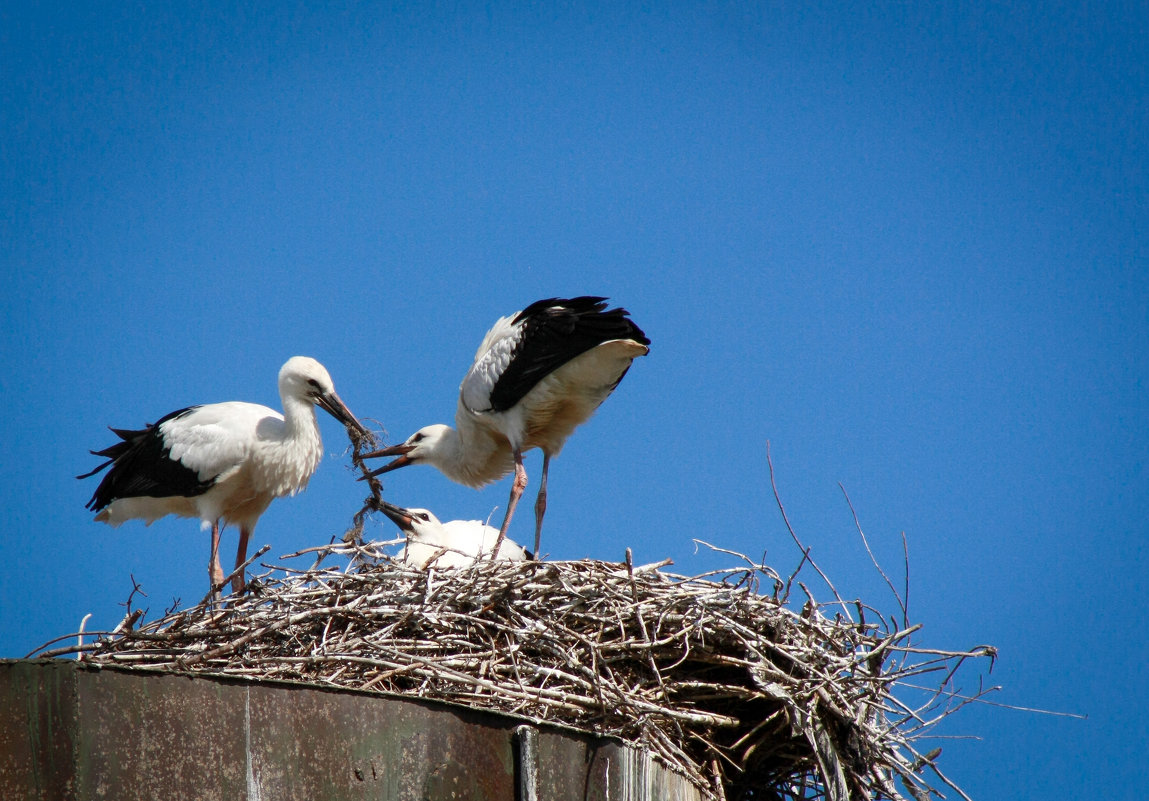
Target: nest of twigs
pixel 714 674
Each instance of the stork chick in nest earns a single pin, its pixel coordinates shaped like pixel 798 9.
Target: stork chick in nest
pixel 456 543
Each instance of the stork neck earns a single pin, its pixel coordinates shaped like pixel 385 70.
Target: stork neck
pixel 299 419
pixel 450 455
pixel 470 456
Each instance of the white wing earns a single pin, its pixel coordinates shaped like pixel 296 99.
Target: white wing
pixel 491 360
pixel 215 439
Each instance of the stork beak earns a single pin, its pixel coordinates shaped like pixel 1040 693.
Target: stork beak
pixel 334 405
pixel 399 451
pixel 397 514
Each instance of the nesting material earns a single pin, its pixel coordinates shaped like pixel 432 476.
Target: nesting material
pixel 716 674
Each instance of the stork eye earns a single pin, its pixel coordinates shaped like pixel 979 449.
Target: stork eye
pixel 313 383
pixel 422 516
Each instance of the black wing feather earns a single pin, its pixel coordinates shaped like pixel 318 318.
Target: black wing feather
pixel 555 331
pixel 142 467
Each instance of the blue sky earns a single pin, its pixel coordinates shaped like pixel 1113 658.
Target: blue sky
pixel 905 244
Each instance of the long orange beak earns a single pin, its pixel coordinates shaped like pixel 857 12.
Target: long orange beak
pixel 399 516
pixel 334 405
pixel 399 451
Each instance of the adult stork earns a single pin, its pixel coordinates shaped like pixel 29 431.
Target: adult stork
pixel 537 375
pixel 456 543
pixel 222 462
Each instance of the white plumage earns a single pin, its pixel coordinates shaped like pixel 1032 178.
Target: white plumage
pixel 223 463
pixel 456 543
pixel 537 375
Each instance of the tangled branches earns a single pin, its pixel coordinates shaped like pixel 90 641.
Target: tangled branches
pixel 715 674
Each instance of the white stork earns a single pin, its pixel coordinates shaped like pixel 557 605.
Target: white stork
pixel 537 375
pixel 223 462
pixel 456 543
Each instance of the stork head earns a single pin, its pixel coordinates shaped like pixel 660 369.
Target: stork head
pixel 426 444
pixel 412 522
pixel 307 380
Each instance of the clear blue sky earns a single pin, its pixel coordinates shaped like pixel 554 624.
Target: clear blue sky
pixel 905 243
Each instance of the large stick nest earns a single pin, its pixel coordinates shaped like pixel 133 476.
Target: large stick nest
pixel 715 674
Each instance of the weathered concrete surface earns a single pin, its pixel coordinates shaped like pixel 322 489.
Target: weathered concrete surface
pixel 71 731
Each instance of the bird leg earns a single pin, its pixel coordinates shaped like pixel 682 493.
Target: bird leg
pixel 237 581
pixel 541 504
pixel 214 571
pixel 517 487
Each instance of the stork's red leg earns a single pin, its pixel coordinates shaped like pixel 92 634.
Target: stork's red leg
pixel 541 504
pixel 214 571
pixel 517 487
pixel 237 581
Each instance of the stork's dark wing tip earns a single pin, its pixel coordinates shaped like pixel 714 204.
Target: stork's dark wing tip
pixel 98 467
